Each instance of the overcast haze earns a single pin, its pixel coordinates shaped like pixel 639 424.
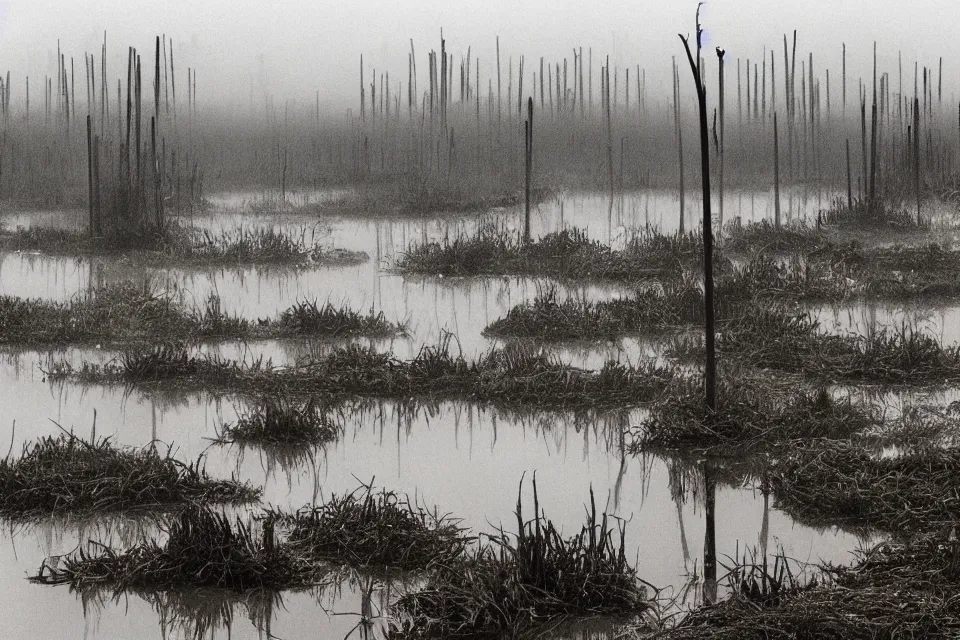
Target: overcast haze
pixel 305 46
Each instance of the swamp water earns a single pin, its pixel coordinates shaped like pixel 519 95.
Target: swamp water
pixel 467 460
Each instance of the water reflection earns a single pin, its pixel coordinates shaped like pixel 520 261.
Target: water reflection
pixel 349 603
pixel 464 458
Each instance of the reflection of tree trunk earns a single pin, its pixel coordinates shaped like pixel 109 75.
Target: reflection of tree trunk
pixel 268 617
pixel 710 538
pixel 678 500
pixel 618 485
pixel 765 534
pixel 366 609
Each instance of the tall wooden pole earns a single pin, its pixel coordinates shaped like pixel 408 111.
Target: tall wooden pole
pixel 710 543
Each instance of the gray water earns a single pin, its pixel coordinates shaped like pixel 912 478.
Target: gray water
pixel 467 460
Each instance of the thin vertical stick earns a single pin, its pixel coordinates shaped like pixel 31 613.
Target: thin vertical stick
pixel 676 114
pixel 849 180
pixel 710 543
pixel 609 127
pixel 916 154
pixel 863 134
pixel 499 114
pixel 529 169
pixel 92 223
pixel 722 119
pixel 776 172
pixel 873 135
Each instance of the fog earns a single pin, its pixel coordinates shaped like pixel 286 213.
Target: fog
pixel 293 49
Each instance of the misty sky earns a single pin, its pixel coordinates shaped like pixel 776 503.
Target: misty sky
pixel 294 48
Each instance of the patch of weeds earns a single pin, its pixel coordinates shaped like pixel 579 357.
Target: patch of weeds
pixel 793 342
pixel 893 590
pixel 510 376
pixel 845 484
pixel 882 213
pixel 650 309
pixel 766 237
pixel 931 271
pixel 258 245
pixel 747 416
pixel 123 314
pixel 310 318
pixel 280 421
pixel 67 474
pixel 202 549
pixel 182 245
pixel 568 254
pixel 515 583
pixel 673 304
pixel 368 528
pixel 205 549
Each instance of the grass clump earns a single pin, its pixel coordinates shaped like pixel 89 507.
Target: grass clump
pixel 367 528
pixel 931 271
pixel 793 342
pixel 67 474
pixel 259 245
pixel 202 549
pixel 280 421
pixel 105 313
pixel 672 304
pixel 766 279
pixel 568 254
pixel 205 549
pixel 419 197
pixel 181 245
pixel 650 309
pixel 125 313
pixel 747 417
pixel 515 583
pixel 510 376
pixel 882 213
pixel 847 485
pixel 894 590
pixel 311 318
pixel 765 237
